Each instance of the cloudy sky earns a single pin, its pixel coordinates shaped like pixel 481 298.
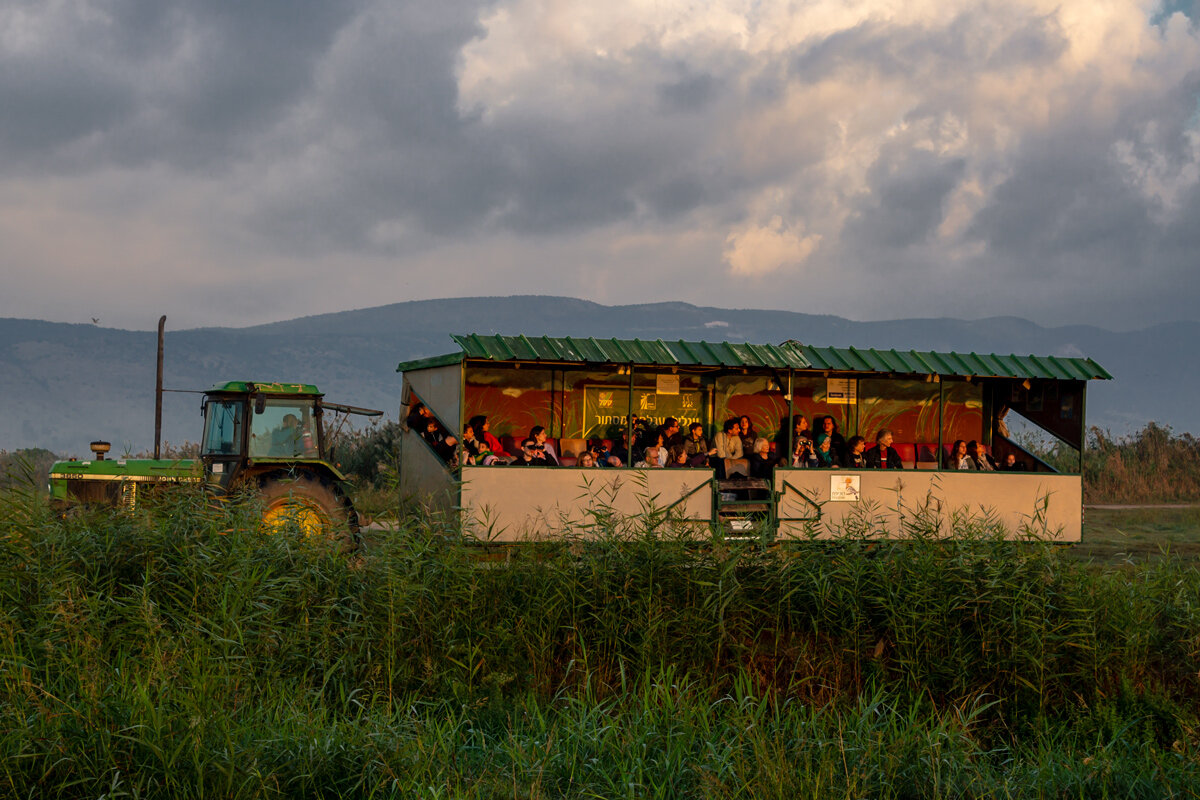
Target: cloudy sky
pixel 233 163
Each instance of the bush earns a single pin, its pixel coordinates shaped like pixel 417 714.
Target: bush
pixel 1150 466
pixel 369 456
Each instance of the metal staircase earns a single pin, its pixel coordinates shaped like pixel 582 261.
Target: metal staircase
pixel 744 506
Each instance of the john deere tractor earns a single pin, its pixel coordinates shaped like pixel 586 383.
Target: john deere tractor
pixel 263 437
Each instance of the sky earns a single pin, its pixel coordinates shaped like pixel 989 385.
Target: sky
pixel 234 163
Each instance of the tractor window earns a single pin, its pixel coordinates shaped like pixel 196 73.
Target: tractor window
pixel 285 429
pixel 222 427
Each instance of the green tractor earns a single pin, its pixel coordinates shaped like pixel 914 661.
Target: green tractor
pixel 268 438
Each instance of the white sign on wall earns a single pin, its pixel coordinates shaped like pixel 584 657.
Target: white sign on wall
pixel 841 391
pixel 844 488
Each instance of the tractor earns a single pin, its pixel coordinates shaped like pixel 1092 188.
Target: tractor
pixel 268 438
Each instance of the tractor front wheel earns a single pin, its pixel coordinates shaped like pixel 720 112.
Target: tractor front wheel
pixel 308 504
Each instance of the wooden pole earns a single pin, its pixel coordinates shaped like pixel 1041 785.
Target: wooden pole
pixel 158 390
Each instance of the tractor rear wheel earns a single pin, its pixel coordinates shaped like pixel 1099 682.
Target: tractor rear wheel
pixel 307 503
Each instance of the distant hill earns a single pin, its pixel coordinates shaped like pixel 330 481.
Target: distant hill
pixel 64 385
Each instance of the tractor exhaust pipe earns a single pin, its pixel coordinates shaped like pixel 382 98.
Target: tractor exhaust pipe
pixel 158 390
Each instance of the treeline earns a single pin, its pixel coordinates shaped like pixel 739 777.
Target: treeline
pixel 177 651
pixel 1153 465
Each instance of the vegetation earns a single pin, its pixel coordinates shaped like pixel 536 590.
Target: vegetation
pixel 1150 466
pixel 23 467
pixel 177 651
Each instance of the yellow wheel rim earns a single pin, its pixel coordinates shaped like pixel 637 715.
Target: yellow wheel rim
pixel 295 514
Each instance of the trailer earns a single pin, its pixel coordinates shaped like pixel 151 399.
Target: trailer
pixel 588 390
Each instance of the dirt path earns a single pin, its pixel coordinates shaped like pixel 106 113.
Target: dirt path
pixel 1135 506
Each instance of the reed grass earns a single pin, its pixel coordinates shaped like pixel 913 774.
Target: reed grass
pixel 177 651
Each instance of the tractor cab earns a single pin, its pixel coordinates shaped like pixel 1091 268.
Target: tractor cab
pixel 250 425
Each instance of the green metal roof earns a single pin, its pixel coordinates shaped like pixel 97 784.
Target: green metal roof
pixel 973 364
pixel 631 351
pixel 789 355
pixel 243 387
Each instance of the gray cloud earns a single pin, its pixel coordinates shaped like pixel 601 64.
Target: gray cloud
pixel 908 190
pixel 136 81
pixel 973 151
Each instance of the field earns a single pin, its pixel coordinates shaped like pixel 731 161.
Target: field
pixel 1113 534
pixel 178 652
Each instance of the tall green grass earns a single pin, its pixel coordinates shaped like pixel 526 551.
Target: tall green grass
pixel 179 652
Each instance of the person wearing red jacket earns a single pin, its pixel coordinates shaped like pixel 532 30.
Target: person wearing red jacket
pixel 480 425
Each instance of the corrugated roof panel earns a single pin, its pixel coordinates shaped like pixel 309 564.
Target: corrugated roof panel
pixel 1025 365
pixel 710 356
pixel 560 352
pixel 789 354
pixel 764 354
pixel 991 363
pixel 917 363
pixel 818 357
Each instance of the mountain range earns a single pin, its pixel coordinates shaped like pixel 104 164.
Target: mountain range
pixel 63 385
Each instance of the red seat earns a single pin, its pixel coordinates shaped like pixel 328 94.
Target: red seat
pixel 907 451
pixel 510 445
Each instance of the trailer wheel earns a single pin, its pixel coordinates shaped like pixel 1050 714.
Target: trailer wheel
pixel 307 503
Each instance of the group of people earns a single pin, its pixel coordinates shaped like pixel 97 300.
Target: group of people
pixel 736 449
pixel 974 455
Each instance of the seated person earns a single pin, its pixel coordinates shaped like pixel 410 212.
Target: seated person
pixel 652 457
pixel 659 445
pixel 977 452
pixel 804 454
pixel 855 453
pixel 586 459
pixel 678 457
pixel 417 415
pixel 729 458
pixel 697 447
pixel 621 451
pixel 483 432
pixel 837 443
pixel 728 442
pixel 641 431
pixel 539 433
pixel 444 446
pixel 761 462
pixel 286 439
pixel 958 456
pixel 799 431
pixel 883 455
pixel 601 455
pixel 476 451
pixel 1013 464
pixel 824 453
pixel 747 433
pixel 533 455
pixel 670 432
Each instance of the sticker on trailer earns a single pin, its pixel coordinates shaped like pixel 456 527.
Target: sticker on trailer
pixel 844 488
pixel 841 391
